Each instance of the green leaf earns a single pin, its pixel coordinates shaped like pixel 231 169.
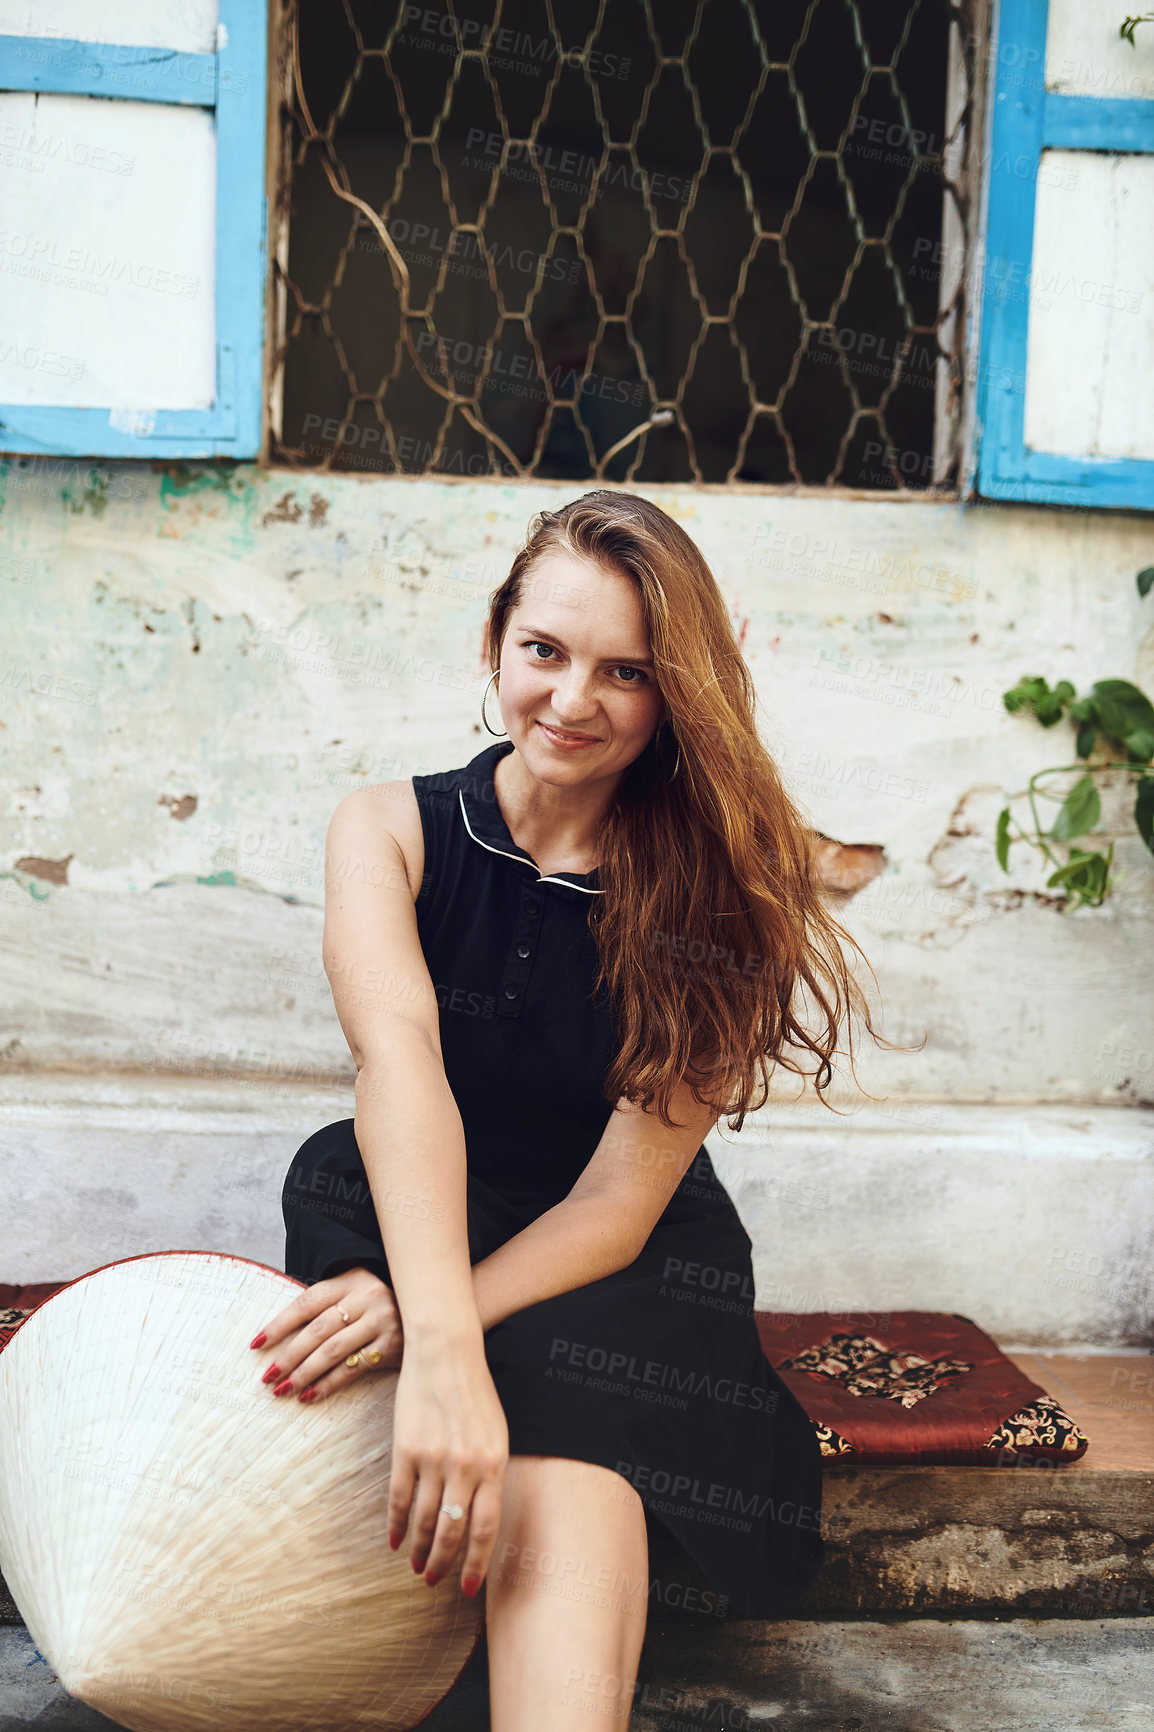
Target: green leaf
pixel 1032 692
pixel 1079 811
pixel 1049 709
pixel 1002 840
pixel 1128 26
pixel 1144 811
pixel 1026 690
pixel 1085 874
pixel 1125 713
pixel 1087 734
pixel 1075 868
pixel 1146 580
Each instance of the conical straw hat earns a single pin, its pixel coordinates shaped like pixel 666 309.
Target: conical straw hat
pixel 189 1551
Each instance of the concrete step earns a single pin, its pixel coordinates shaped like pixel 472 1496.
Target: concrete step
pixel 1075 1540
pixel 1068 1541
pixel 918 1675
pixel 879 1211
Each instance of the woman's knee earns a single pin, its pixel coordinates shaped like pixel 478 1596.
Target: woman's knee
pixel 333 1147
pixel 327 1204
pixel 570 1566
pixel 560 1512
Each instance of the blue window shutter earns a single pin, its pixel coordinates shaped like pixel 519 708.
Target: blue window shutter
pixel 232 84
pixel 1027 119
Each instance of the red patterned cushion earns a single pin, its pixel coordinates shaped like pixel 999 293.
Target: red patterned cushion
pixel 915 1386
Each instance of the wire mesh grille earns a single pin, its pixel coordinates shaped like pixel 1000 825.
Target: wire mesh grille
pixel 638 240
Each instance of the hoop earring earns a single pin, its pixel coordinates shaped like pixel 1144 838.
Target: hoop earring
pixel 677 764
pixel 504 734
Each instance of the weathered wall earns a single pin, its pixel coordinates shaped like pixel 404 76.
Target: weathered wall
pixel 197 665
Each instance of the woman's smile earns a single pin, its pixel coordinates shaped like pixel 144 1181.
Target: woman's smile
pixel 566 742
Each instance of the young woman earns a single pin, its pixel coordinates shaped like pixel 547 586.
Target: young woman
pixel 557 967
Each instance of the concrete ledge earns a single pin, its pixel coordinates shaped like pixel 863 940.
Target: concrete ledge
pixel 96 1168
pixel 1064 1542
pixel 1069 1541
pixel 1037 1222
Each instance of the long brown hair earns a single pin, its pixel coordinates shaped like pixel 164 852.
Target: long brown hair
pixel 710 927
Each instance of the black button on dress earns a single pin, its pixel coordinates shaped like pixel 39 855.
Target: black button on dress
pixel 655 1371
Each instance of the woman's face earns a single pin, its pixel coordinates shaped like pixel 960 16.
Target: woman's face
pixel 575 658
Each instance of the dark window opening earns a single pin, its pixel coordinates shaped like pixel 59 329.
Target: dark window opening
pixel 713 251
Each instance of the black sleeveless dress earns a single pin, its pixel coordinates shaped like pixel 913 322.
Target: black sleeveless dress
pixel 655 1371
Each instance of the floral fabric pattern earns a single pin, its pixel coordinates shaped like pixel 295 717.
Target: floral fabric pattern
pixel 11 1317
pixel 832 1360
pixel 831 1442
pixel 866 1366
pixel 1041 1424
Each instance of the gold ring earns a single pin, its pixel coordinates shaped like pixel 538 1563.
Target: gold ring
pixel 353 1359
pixel 373 1357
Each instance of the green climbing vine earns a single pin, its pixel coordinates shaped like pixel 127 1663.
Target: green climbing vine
pixel 1114 718
pixel 1129 25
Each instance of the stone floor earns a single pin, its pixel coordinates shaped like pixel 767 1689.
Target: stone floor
pixel 916 1675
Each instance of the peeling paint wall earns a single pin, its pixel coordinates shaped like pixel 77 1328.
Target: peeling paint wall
pixel 198 663
pixel 197 666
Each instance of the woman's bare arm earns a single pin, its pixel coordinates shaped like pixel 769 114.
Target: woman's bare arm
pixel 408 1128
pixel 603 1223
pixel 451 1440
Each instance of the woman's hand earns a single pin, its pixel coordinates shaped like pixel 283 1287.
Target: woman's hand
pixel 318 1330
pixel 450 1436
pixel 450 1446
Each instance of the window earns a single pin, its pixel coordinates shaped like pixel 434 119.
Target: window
pixel 132 255
pixel 716 242
pixel 1066 388
pixel 711 241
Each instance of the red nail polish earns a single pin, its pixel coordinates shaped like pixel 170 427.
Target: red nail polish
pixel 283 1387
pixel 416 1567
pixel 469 1586
pixel 258 1340
pixel 431 1579
pixel 393 1543
pixel 272 1374
pixel 308 1395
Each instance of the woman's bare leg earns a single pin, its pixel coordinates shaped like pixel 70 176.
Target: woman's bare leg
pixel 567 1596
